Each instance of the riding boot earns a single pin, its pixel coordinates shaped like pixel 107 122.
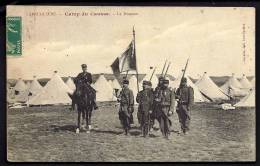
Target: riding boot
pixel 95 104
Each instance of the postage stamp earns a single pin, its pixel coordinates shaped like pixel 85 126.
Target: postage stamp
pixel 14 36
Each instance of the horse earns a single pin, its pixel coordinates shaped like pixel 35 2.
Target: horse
pixel 82 100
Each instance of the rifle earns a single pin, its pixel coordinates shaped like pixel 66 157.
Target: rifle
pixel 186 65
pixel 167 70
pixel 152 74
pixel 164 67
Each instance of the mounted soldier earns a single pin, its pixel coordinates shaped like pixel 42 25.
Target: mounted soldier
pixel 165 106
pixel 185 98
pixel 85 78
pixel 126 99
pixel 84 97
pixel 145 100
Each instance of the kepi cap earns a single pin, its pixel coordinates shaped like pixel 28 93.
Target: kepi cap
pixel 145 82
pixel 83 65
pixel 125 82
pixel 165 81
pixel 184 80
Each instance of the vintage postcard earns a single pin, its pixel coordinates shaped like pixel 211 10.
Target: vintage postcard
pixel 131 84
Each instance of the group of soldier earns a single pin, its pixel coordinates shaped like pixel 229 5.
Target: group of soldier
pixel 154 104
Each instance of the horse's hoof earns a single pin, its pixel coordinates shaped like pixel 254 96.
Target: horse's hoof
pixel 89 127
pixel 77 130
pixel 88 131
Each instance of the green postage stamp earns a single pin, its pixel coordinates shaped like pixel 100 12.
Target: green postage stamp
pixel 13 36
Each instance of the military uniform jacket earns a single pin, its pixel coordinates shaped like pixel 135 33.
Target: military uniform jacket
pixel 145 100
pixel 84 77
pixel 166 98
pixel 185 95
pixel 127 97
pixel 156 94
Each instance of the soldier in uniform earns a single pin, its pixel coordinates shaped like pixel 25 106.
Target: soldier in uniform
pixel 126 99
pixel 86 78
pixel 149 84
pixel 166 102
pixel 145 100
pixel 185 98
pixel 156 103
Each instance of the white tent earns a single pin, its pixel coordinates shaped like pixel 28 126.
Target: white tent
pixel 28 84
pixel 104 89
pixel 20 85
pixel 110 83
pixel 115 84
pixel 245 82
pixel 54 92
pixel 197 95
pixel 21 91
pixel 154 79
pixel 133 85
pixel 35 87
pixel 247 101
pixel 210 89
pixel 71 84
pixel 233 87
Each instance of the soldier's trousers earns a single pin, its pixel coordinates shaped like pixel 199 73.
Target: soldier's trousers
pixel 184 117
pixel 164 121
pixel 144 121
pixel 124 117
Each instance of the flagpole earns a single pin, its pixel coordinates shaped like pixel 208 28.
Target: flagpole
pixel 135 60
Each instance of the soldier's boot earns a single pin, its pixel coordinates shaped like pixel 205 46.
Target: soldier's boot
pixel 95 104
pixel 126 131
pixel 94 100
pixel 143 131
pixel 146 130
pixel 166 135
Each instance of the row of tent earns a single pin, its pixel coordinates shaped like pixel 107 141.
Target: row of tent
pixel 56 90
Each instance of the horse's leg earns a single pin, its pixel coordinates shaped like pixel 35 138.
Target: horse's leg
pixel 83 117
pixel 87 120
pixel 86 116
pixel 89 116
pixel 79 115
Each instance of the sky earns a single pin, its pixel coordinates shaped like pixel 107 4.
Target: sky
pixel 61 38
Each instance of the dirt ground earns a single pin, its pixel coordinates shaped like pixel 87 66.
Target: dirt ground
pixel 48 134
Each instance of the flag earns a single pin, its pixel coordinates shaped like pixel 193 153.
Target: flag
pixel 126 62
pixel 115 67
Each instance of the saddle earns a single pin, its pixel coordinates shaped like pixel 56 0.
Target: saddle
pixel 84 89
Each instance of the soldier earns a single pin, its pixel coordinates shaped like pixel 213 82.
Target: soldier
pixel 86 78
pixel 166 102
pixel 145 100
pixel 126 99
pixel 156 103
pixel 149 85
pixel 185 97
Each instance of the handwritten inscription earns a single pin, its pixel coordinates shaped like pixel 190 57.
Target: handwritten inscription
pixel 83 13
pixel 244 43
